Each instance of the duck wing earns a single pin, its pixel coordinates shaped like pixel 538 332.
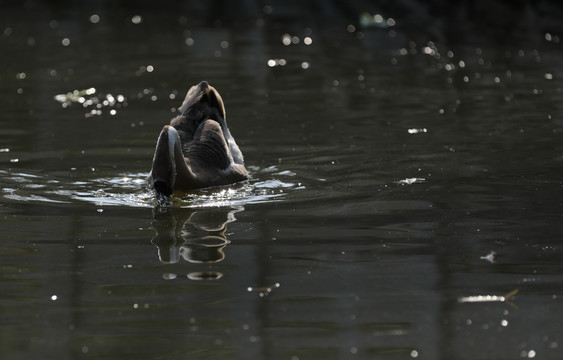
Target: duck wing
pixel 210 157
pixel 208 147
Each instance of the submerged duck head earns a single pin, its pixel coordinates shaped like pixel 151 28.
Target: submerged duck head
pixel 197 149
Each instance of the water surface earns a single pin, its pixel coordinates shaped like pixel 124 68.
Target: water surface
pixel 404 201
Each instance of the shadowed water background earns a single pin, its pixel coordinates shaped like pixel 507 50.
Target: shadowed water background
pixel 404 202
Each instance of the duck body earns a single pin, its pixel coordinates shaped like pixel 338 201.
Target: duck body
pixel 197 149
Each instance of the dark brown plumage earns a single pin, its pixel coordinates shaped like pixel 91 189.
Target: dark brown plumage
pixel 197 150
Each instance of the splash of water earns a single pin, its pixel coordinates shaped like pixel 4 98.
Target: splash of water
pixel 131 190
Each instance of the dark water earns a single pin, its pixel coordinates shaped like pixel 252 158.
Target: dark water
pixel 405 200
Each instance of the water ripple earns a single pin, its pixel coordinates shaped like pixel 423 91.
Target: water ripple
pixel 131 190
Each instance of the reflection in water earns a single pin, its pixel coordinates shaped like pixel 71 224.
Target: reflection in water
pixel 197 235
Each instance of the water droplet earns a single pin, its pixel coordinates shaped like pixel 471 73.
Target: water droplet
pixel 94 19
pixel 136 19
pixel 65 42
pixel 286 39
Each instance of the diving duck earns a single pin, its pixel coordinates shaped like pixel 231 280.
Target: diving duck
pixel 197 149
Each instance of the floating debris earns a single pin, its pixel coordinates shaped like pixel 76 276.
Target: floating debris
pixel 490 257
pixel 487 298
pixel 409 181
pixel 169 276
pixel 417 131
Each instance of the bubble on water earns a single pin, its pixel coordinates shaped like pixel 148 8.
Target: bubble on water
pixel 65 42
pixel 276 62
pixel 94 19
pixel 136 19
